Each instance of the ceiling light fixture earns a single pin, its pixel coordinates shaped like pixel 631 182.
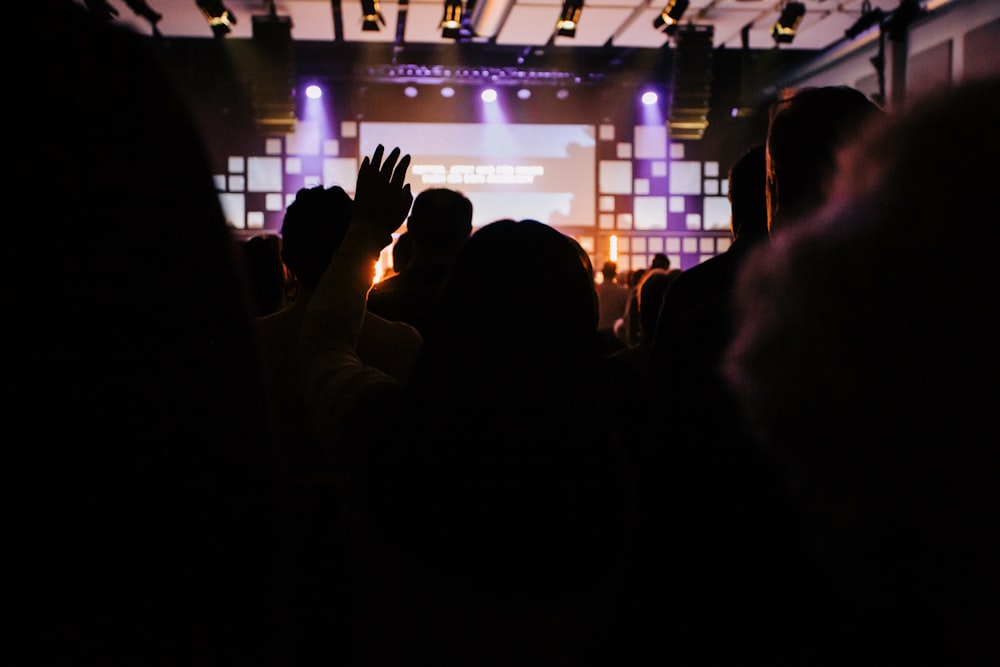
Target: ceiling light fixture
pixel 569 17
pixel 783 31
pixel 670 17
pixel 219 16
pixel 451 22
pixel 373 15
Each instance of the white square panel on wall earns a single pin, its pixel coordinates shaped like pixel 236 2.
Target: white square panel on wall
pixel 264 174
pixel 676 151
pixel 623 150
pixel 692 221
pixel 615 177
pixel 685 178
pixel 717 211
pixel 342 171
pixel 255 220
pixel 306 139
pixel 606 132
pixel 237 183
pixel 712 169
pixel 711 186
pixel 348 129
pixel 689 245
pixel 650 212
pixel 677 204
pixel 272 146
pixel 236 164
pixel 623 221
pixel 606 220
pixel 293 165
pixel 658 169
pixel 274 201
pixel 651 142
pixel 234 209
pixel 331 147
pixel 606 203
pixel 673 245
pixel 706 244
pixel 641 186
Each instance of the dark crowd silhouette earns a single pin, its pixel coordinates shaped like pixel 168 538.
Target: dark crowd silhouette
pixel 787 459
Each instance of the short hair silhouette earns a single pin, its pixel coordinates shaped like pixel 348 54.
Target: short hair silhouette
pixel 440 214
pixel 304 255
pixel 805 132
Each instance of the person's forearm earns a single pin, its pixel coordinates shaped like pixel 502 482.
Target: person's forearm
pixel 333 373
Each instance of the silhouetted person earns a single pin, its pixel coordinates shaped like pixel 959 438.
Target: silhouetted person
pixel 319 591
pixel 748 571
pixel 660 261
pixel 748 225
pixel 492 505
pixel 441 220
pixel 612 300
pixel 141 467
pixel 865 361
pixel 650 290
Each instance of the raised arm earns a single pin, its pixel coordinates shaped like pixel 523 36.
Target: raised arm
pixel 336 381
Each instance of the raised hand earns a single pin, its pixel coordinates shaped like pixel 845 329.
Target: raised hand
pixel 381 198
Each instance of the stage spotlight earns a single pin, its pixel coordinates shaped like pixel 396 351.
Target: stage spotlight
pixel 447 91
pixel 569 17
pixel 562 94
pixel 451 22
pixel 671 15
pixel 219 16
pixel 489 95
pixel 373 15
pixel 314 92
pixel 783 31
pixel 650 97
pixel 523 93
pixel 410 91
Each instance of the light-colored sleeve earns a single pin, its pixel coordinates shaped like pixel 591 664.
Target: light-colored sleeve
pixel 336 382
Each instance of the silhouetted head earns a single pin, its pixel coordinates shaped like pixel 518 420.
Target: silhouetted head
pixel 440 216
pixel 609 270
pixel 517 294
pixel 266 272
pixel 314 226
pixel 804 134
pixel 660 261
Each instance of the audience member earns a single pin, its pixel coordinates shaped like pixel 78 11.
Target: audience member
pixel 864 361
pixel 660 261
pixel 650 290
pixel 715 277
pixel 805 131
pixel 319 591
pixel 612 299
pixel 261 257
pixel 627 325
pixel 746 540
pixel 492 509
pixel 145 530
pixel 440 222
pixel 313 227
